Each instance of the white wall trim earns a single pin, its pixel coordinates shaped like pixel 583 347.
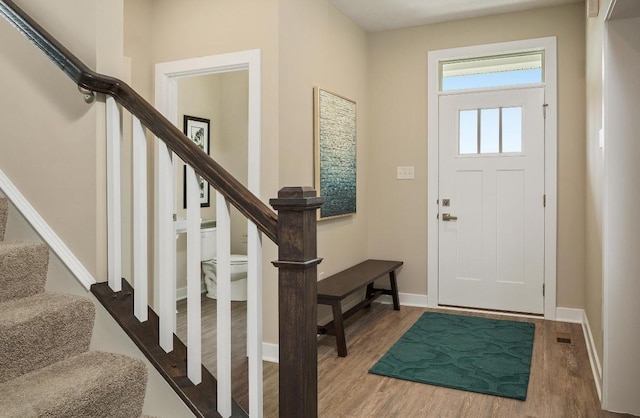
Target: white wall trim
pixel 596 368
pixel 44 230
pixel 551 157
pixel 271 352
pixel 181 292
pixel 579 316
pixel 407 299
pixel 572 315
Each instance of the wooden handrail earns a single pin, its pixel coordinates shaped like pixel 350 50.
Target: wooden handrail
pixel 237 194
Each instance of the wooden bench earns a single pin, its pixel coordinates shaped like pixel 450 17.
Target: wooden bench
pixel 334 289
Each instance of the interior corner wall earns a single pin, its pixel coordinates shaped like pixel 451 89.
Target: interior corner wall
pixel 398 126
pixel 50 146
pixel 320 47
pixel 594 178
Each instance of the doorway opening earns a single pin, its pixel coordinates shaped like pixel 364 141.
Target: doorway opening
pixel 235 78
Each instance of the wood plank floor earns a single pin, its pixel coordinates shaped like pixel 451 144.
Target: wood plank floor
pixel 561 383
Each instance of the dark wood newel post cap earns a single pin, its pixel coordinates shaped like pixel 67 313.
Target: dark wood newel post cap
pixel 296 198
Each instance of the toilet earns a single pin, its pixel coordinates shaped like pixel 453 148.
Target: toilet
pixel 209 264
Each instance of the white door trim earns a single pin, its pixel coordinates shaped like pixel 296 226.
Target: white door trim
pixel 166 77
pixel 551 157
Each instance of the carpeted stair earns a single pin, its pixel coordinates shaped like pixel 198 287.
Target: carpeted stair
pixel 46 369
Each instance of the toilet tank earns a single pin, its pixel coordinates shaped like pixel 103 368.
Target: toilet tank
pixel 207 244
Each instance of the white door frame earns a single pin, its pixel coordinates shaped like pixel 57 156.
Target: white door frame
pixel 550 158
pixel 166 101
pixel 166 86
pixel 167 74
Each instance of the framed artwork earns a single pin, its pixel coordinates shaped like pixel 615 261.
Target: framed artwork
pixel 197 130
pixel 334 153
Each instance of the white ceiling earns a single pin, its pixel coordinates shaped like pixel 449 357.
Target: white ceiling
pixel 379 15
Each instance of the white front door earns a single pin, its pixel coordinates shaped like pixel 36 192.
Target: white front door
pixel 491 193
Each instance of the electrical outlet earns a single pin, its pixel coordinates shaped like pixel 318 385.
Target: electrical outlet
pixel 405 173
pixel 244 239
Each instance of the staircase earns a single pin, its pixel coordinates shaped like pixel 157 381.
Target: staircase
pixel 31 318
pixel 46 368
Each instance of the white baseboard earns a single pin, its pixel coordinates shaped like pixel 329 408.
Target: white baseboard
pixel 181 292
pixel 406 299
pixel 596 369
pixel 579 316
pixel 271 352
pixel 572 315
pixel 44 230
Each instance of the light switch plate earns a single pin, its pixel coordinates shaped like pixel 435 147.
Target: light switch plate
pixel 405 173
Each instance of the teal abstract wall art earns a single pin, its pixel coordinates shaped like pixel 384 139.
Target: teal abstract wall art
pixel 335 153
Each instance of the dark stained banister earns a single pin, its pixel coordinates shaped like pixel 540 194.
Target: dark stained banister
pixel 237 194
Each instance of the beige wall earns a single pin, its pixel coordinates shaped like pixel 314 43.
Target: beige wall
pixel 137 41
pixel 594 178
pixel 52 144
pixel 333 56
pixel 398 125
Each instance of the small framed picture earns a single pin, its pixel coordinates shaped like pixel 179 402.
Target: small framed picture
pixel 197 130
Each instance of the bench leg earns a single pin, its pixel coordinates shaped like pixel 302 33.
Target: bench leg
pixel 394 290
pixel 369 293
pixel 338 325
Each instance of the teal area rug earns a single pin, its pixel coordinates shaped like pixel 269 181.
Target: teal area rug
pixel 476 354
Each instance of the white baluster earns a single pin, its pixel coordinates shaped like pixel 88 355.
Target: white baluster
pixel 114 230
pixel 254 319
pixel 165 247
pixel 194 329
pixel 223 288
pixel 140 253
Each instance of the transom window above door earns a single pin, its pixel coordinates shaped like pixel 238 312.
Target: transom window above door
pixel 490 131
pixel 492 71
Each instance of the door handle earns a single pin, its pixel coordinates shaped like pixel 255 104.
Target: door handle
pixel 447 217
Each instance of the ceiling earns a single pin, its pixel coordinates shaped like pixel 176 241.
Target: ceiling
pixel 379 15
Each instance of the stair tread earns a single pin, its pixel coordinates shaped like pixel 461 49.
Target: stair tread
pixel 42 329
pixel 23 269
pixel 93 383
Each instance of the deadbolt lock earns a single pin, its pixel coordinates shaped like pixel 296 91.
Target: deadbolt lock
pixel 446 202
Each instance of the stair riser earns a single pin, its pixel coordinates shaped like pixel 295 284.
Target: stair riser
pixel 31 343
pixel 23 270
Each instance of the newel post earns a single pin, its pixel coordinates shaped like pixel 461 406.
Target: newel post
pixel 297 303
